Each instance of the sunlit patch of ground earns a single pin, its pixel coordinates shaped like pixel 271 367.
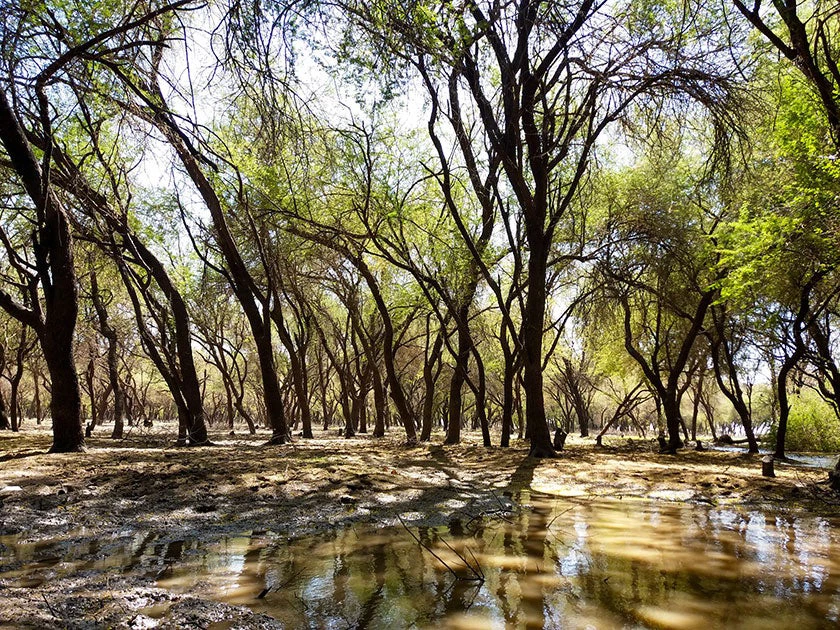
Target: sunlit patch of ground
pixel 146 484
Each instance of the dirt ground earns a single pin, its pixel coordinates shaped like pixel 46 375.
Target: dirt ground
pixel 146 484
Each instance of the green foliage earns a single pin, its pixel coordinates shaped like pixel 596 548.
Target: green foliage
pixel 787 225
pixel 812 425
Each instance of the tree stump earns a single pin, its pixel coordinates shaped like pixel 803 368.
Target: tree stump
pixel 598 441
pixel 767 466
pixel 559 439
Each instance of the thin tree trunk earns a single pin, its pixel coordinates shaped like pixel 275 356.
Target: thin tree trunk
pixel 113 372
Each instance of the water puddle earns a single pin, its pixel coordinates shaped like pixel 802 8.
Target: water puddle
pixel 551 563
pixel 819 461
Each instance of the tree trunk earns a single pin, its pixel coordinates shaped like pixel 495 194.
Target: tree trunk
pixel 394 386
pixel 191 391
pixel 296 360
pixel 65 400
pixel 673 421
pixel 4 417
pixel 242 283
pixel 39 412
pixel 90 374
pixel 53 254
pixel 532 338
pixel 784 404
pixel 113 366
pixel 508 378
pixel 429 386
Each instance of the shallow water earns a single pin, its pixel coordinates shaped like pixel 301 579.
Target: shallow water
pixel 549 563
pixel 821 461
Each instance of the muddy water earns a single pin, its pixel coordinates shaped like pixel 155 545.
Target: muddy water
pixel 549 563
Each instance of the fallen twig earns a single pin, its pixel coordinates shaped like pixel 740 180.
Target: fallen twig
pixel 477 575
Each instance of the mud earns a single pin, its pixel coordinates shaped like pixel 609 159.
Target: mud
pixel 85 505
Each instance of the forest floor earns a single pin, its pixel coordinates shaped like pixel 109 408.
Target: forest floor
pixel 144 484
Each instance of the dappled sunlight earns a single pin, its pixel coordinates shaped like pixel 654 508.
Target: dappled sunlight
pixel 645 539
pixel 548 562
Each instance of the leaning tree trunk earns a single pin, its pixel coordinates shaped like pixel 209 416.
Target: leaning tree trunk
pixel 242 282
pixel 297 360
pixel 53 253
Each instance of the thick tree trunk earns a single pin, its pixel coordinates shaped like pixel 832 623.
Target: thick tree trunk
pixel 532 342
pixel 53 255
pixel 271 388
pixel 380 404
pixel 65 399
pixel 673 420
pixel 453 425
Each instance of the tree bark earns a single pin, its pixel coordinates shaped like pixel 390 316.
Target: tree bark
pixel 532 333
pixel 113 365
pixel 53 249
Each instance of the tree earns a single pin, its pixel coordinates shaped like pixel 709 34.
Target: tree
pixel 539 85
pixel 48 280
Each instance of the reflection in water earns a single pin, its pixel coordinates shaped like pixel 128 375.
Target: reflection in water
pixel 552 563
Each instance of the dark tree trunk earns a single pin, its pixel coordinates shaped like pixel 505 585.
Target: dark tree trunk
pixel 113 371
pixel 394 386
pixel 39 412
pixel 53 256
pixel 298 368
pixel 4 417
pixel 90 374
pixel 532 338
pixel 453 423
pixel 242 283
pixel 673 420
pixel 429 374
pixel 190 388
pixel 380 404
pixel 508 380
pixel 784 404
pixel 722 356
pixel 24 346
pixel 65 400
pixel 792 360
